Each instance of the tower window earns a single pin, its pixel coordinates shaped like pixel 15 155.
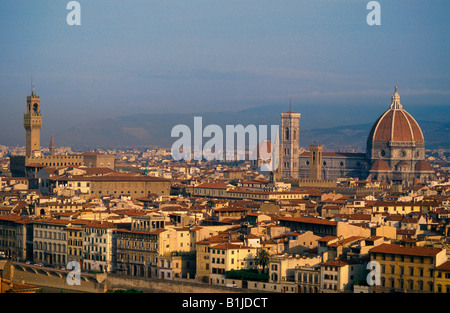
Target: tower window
pixel 287 133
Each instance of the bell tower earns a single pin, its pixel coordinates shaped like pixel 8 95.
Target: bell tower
pixel 32 122
pixel 289 144
pixel 315 162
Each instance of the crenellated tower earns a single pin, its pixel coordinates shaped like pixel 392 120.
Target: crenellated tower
pixel 32 121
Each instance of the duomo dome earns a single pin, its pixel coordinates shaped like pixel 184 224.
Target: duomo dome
pixel 396 125
pixel 397 141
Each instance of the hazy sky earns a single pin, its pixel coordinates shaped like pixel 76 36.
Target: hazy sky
pixel 143 56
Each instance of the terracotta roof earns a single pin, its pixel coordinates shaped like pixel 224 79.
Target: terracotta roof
pixel 226 246
pixel 327 238
pixel 396 125
pixel 402 163
pixel 359 216
pixel 394 217
pixel 337 263
pixel 231 209
pixel 10 217
pixel 35 165
pixel 380 165
pixel 423 166
pixel 213 185
pixel 97 224
pixel 308 220
pixel 402 250
pixel 444 267
pixel 126 177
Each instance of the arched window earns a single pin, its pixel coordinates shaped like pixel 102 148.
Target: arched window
pixel 420 285
pixel 287 133
pixel 274 277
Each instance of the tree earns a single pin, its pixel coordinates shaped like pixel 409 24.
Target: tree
pixel 262 258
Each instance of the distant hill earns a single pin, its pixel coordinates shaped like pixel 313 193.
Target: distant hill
pixel 332 126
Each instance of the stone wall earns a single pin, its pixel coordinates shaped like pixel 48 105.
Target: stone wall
pixel 159 285
pixel 56 280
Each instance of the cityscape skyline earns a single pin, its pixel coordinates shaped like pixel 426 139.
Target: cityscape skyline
pixel 224 56
pixel 223 152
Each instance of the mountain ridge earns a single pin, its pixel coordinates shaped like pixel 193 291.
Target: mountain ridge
pixel 155 129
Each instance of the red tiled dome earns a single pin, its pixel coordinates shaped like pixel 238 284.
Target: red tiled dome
pixel 423 166
pixel 380 166
pixel 402 163
pixel 396 125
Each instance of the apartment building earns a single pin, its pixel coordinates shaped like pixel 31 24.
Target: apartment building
pixel 282 267
pixel 137 253
pixel 338 276
pixel 99 247
pixel 16 237
pixel 307 278
pixel 50 242
pixel 75 233
pixel 442 278
pixel 401 208
pixel 226 257
pixel 407 269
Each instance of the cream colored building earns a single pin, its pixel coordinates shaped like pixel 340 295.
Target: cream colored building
pixel 282 267
pixel 99 247
pixel 225 257
pixel 50 242
pixel 402 208
pixel 338 276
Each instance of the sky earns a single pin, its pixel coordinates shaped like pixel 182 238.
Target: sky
pixel 146 56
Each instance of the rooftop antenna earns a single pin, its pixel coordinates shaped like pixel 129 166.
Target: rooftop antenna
pixel 290 104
